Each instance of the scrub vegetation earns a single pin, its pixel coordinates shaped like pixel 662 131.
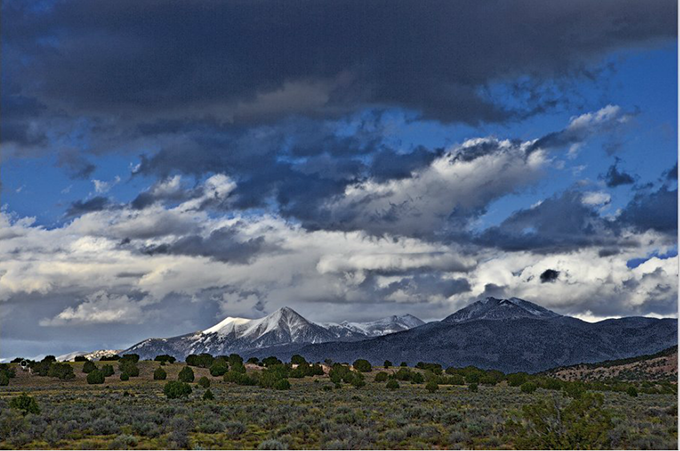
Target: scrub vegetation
pixel 222 402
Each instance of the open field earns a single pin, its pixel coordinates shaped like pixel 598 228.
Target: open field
pixel 312 414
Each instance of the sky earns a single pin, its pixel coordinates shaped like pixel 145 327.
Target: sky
pixel 167 164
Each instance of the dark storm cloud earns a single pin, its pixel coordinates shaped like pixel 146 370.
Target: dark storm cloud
pixel 549 275
pixel 653 210
pixel 80 207
pixel 614 177
pixel 560 223
pixel 423 285
pixel 221 245
pixel 389 165
pixel 672 173
pixel 163 191
pixel 222 59
pixel 77 166
pixel 16 125
pixel 608 252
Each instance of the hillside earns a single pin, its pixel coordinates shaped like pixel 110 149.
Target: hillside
pixel 522 344
pixel 655 367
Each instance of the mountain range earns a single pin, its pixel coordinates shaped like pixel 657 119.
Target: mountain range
pixel 506 334
pixel 283 328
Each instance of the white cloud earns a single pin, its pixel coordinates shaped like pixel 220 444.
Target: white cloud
pixel 596 198
pixel 423 202
pixel 102 187
pixel 100 308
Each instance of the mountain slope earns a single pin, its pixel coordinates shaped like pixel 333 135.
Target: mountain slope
pixel 505 334
pixel 94 355
pixel 500 309
pixel 518 337
pixel 656 367
pixel 284 327
pixel 383 326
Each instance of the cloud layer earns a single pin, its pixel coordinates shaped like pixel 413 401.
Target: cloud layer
pixel 345 158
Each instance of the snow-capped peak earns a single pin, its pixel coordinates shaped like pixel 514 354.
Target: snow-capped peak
pixel 500 309
pixel 284 319
pixel 384 326
pixel 227 323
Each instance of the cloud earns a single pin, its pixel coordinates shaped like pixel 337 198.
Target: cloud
pixel 455 186
pixel 76 164
pixel 604 286
pixel 609 120
pixel 549 275
pixel 653 210
pixel 564 221
pixel 221 244
pixel 672 174
pixel 101 187
pixel 100 307
pixel 271 67
pixel 615 178
pixel 80 207
pixel 596 198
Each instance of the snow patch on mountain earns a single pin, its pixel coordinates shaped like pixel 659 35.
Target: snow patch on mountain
pixel 500 309
pixel 94 355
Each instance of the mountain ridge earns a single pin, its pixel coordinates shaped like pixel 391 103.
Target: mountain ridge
pixel 506 334
pixel 283 327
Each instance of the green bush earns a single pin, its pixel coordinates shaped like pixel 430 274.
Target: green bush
pixel 234 358
pixel 110 358
pixel 63 371
pixel 134 358
pixel 358 381
pixel 128 366
pixel 26 404
pixel 632 391
pixel 186 375
pixel 239 378
pixel 160 374
pixel 80 358
pixel 89 366
pixel 270 361
pixel 574 389
pixel 107 370
pixel 456 379
pixel 177 389
pixel 381 377
pixel 517 379
pixel 204 382
pixel 528 387
pixel 4 380
pixel 387 364
pixel 238 367
pixel 582 424
pixel 208 395
pixel 297 360
pixel 124 376
pixel 203 360
pixel 282 384
pixel 95 377
pixel 432 386
pixel 165 358
pixel 392 384
pixel 362 365
pixel 473 388
pixel 219 368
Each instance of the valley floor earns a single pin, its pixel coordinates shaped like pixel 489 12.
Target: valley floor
pixel 312 415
